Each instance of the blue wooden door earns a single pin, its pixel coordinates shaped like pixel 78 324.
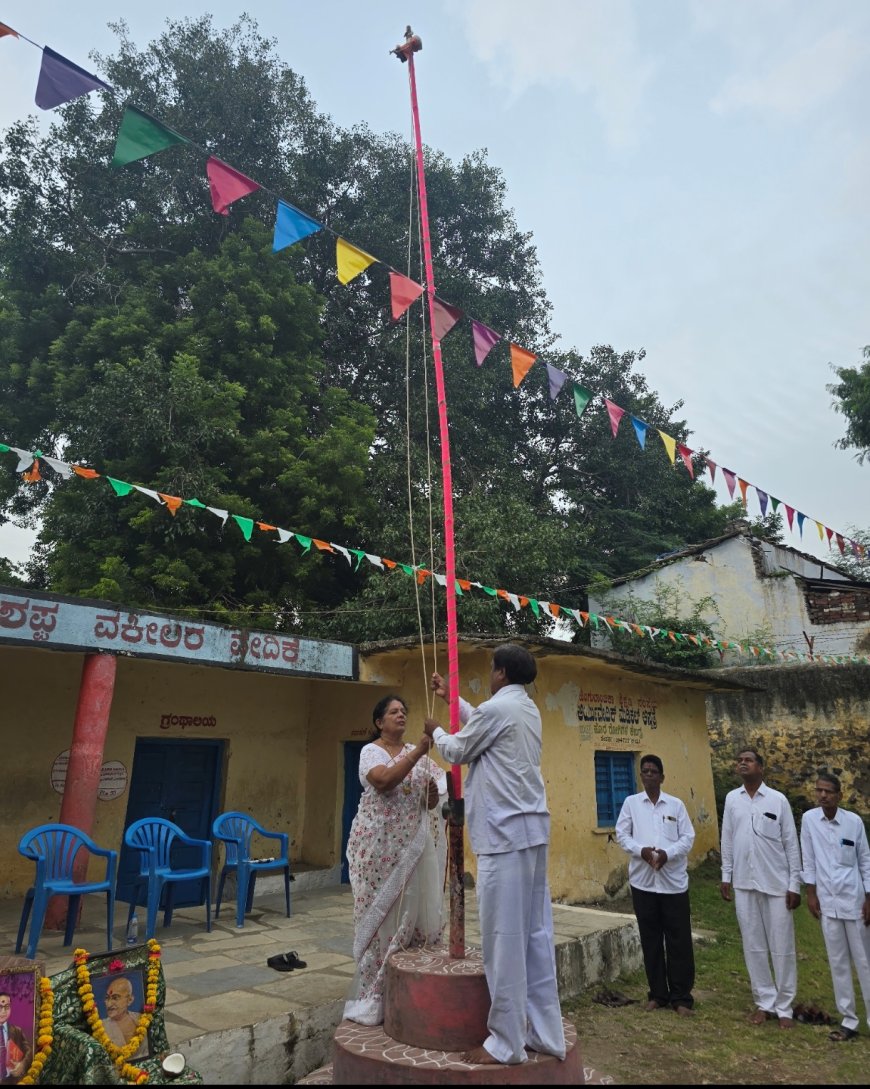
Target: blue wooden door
pixel 178 780
pixel 352 794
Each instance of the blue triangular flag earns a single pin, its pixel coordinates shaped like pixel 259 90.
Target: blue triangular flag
pixel 291 226
pixel 640 429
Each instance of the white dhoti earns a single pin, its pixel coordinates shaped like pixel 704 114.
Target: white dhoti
pixel 848 943
pixel 519 958
pixel 767 930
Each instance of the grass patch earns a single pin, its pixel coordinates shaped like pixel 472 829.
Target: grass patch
pixel 717 1046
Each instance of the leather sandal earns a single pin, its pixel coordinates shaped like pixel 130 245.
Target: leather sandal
pixel 286 962
pixel 842 1033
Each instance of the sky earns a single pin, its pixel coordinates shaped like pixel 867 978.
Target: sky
pixel 695 175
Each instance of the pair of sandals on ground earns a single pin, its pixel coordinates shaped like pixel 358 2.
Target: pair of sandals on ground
pixel 286 962
pixel 839 1035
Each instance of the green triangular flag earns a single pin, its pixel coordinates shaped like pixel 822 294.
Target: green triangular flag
pixel 536 609
pixel 489 590
pixel 246 525
pixel 407 569
pixel 195 503
pixel 140 136
pixel 4 447
pixel 121 486
pixel 774 502
pixel 360 556
pixel 305 542
pixel 582 397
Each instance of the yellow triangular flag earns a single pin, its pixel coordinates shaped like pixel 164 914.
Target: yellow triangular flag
pixel 670 445
pixel 821 530
pixel 350 261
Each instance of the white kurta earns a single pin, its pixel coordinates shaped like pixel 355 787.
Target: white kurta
pixel 509 829
pixel 663 824
pixel 761 860
pixel 837 861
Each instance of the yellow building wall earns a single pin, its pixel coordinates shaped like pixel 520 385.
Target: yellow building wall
pixel 261 718
pixel 663 717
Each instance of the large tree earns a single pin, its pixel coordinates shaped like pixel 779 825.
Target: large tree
pixel 852 393
pixel 169 347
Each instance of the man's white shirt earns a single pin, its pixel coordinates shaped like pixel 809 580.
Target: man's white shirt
pixel 836 861
pixel 663 824
pixel 507 800
pixel 759 842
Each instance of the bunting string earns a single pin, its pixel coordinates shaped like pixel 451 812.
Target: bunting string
pixel 29 467
pixel 141 135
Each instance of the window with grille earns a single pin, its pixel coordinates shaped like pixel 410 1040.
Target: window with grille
pixel 614 781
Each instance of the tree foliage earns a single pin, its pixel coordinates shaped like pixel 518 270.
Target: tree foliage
pixel 169 347
pixel 852 393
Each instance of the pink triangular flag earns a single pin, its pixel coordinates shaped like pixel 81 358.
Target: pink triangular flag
pixel 615 413
pixel 484 338
pixel 402 293
pixel 686 454
pixel 446 316
pixel 730 480
pixel 789 513
pixel 841 544
pixel 226 185
pixel 829 532
pixel 711 465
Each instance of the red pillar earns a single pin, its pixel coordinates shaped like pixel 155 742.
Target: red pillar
pixel 85 761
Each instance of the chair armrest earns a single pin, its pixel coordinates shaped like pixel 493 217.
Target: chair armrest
pixel 280 836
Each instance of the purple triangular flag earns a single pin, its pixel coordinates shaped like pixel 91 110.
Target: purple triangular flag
pixel 762 500
pixel 557 380
pixel 61 81
pixel 484 338
pixel 446 316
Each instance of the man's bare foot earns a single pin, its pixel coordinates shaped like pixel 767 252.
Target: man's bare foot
pixel 684 1011
pixel 786 1022
pixel 758 1017
pixel 653 1004
pixel 479 1056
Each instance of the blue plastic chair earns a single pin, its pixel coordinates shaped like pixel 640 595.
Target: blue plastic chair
pixel 154 838
pixel 236 830
pixel 54 848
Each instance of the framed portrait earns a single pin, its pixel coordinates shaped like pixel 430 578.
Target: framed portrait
pixel 119 994
pixel 19 1016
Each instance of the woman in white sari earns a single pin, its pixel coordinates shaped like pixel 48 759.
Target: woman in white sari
pixel 396 853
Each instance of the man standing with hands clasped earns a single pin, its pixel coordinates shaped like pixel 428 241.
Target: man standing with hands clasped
pixel 654 828
pixel 509 829
pixel 761 859
pixel 837 877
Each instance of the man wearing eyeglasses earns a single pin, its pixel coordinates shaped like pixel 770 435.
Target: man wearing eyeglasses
pixel 761 861
pixel 15 1051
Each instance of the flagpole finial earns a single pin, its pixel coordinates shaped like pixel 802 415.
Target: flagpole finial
pixel 412 44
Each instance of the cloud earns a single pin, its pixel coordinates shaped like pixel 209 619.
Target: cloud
pixel 592 49
pixel 810 76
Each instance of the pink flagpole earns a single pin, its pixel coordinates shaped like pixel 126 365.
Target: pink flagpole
pixel 455 825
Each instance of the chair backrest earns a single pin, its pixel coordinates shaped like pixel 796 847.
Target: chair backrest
pixel 153 836
pixel 236 831
pixel 54 847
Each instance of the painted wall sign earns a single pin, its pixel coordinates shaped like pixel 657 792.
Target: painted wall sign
pixel 182 722
pixel 30 619
pixel 113 777
pixel 614 721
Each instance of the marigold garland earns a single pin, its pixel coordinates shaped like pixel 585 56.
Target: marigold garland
pixel 45 1035
pixel 120 1055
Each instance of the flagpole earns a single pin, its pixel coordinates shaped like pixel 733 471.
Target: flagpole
pixel 405 53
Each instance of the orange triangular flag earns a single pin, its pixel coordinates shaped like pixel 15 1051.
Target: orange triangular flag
pixel 402 293
pixel 521 362
pixel 325 546
pixel 33 474
pixel 173 502
pixel 350 261
pixel 388 563
pixel 4 30
pixel 265 527
pixel 743 485
pixel 88 474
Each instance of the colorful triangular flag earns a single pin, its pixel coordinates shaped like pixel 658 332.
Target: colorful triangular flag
pixel 640 429
pixel 227 185
pixel 557 380
pixel 521 362
pixel 141 135
pixel 686 456
pixel 484 339
pixel 445 317
pixel 291 226
pixel 711 465
pixel 670 445
pixel 61 81
pixel 730 480
pixel 615 413
pixel 762 500
pixel 350 261
pixel 582 397
pixel 402 293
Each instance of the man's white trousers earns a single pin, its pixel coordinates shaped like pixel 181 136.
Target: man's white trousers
pixel 767 929
pixel 848 942
pixel 516 927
